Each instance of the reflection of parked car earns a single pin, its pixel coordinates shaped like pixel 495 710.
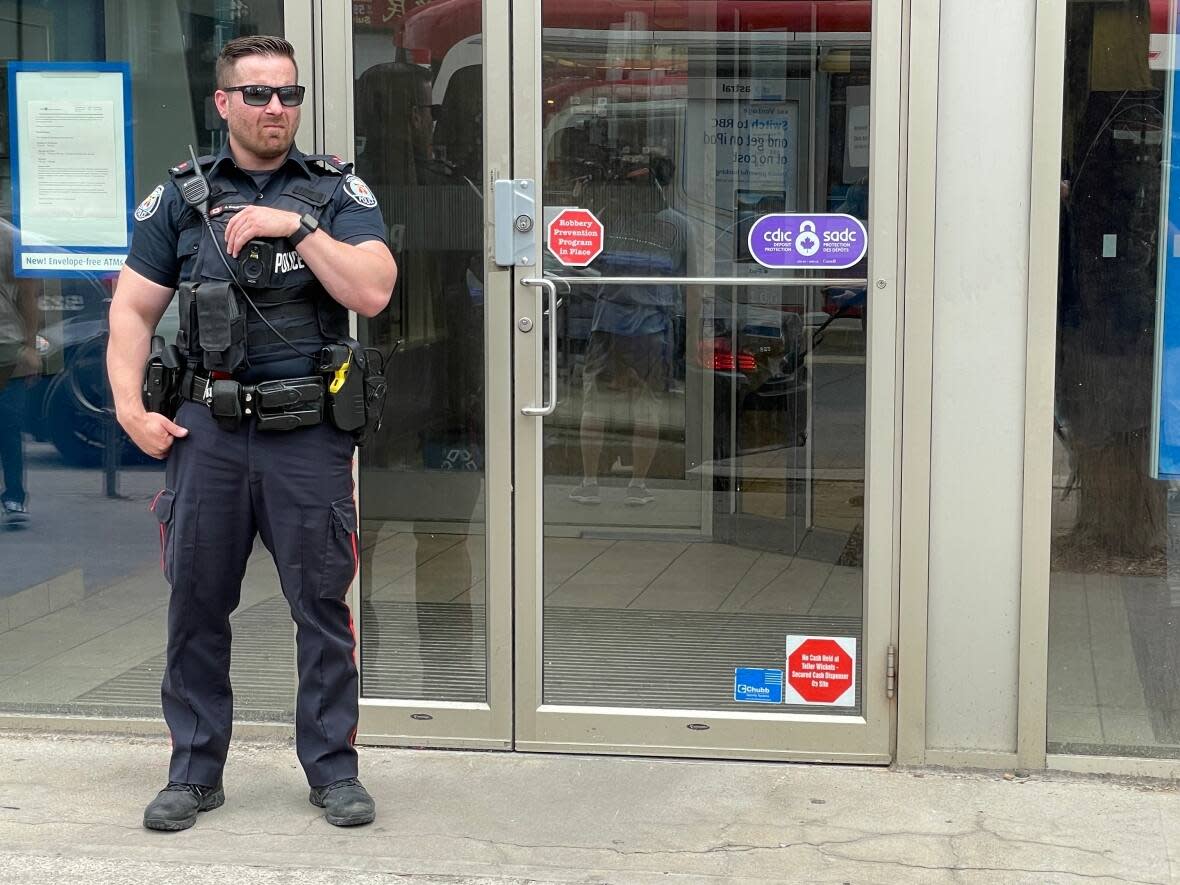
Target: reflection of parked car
pixel 755 356
pixel 67 404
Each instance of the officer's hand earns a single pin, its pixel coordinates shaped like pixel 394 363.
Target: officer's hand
pixel 152 432
pixel 254 222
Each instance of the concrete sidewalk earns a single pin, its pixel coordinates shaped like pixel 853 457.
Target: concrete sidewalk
pixel 70 810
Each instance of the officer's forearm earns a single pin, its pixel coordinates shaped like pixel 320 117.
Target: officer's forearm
pixel 359 278
pixel 127 355
pixel 135 310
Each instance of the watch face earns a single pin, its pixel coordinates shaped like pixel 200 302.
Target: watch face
pixel 309 222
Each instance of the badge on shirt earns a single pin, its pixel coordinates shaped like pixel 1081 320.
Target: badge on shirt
pixel 150 204
pixel 359 191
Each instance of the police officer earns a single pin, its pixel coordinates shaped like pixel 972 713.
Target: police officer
pixel 229 479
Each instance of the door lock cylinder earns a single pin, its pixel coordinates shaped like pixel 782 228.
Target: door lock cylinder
pixel 515 218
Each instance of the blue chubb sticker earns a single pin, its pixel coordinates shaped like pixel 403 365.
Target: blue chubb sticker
pixel 755 685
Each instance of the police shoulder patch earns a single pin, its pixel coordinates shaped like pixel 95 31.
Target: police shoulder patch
pixel 359 191
pixel 151 203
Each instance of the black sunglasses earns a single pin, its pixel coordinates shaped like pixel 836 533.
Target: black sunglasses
pixel 259 96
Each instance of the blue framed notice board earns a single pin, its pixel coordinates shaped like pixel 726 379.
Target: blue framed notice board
pixel 70 143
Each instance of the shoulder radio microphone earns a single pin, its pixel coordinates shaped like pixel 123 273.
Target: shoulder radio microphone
pixel 195 189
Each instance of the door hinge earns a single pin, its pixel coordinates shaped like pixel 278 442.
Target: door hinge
pixel 891 671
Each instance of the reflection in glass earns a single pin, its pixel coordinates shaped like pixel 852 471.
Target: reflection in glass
pixel 419 147
pixel 1114 635
pixel 704 470
pixel 82 600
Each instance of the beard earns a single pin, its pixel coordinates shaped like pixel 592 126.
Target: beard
pixel 270 144
pixel 265 142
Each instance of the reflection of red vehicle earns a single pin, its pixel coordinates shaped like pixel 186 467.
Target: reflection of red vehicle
pixel 755 359
pixel 1159 16
pixel 824 16
pixel 437 27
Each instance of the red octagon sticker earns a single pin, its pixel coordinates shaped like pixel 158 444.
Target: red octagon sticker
pixel 574 237
pixel 821 670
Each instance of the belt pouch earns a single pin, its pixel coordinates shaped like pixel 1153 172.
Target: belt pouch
pixel 289 403
pixel 221 327
pixel 375 392
pixel 226 404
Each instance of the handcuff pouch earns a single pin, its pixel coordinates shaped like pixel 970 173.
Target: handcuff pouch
pixel 226 404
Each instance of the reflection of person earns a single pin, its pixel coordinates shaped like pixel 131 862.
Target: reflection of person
pixel 228 480
pixel 18 360
pixel 628 356
pixel 440 287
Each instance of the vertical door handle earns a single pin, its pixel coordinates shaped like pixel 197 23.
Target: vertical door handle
pixel 547 408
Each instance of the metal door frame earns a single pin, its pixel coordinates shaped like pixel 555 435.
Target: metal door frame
pixel 805 737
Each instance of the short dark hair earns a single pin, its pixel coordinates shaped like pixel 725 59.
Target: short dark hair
pixel 241 47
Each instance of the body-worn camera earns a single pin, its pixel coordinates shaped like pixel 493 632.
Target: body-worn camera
pixel 256 263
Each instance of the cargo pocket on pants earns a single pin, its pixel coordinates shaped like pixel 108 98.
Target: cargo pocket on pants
pixel 163 507
pixel 340 553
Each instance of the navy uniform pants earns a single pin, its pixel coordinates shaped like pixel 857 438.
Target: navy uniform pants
pixel 293 488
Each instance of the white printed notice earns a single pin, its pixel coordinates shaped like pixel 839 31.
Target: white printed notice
pixel 856 153
pixel 750 128
pixel 71 188
pixel 742 146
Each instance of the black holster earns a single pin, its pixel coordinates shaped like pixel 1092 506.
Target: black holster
pixel 162 377
pixel 355 404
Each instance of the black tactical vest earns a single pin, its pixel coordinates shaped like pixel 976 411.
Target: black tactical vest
pixel 295 302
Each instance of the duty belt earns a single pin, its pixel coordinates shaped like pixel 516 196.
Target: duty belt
pixel 284 404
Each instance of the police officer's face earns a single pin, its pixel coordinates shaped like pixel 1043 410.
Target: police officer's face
pixel 261 133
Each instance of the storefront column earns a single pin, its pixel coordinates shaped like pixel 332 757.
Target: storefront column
pixel 986 55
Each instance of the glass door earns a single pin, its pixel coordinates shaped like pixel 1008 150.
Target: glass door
pixel 433 595
pixel 704 376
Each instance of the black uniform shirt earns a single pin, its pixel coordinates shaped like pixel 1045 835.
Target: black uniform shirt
pixel 352 216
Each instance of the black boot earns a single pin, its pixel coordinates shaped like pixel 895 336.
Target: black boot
pixel 177 805
pixel 346 803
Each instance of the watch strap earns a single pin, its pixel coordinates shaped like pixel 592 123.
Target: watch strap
pixel 308 224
